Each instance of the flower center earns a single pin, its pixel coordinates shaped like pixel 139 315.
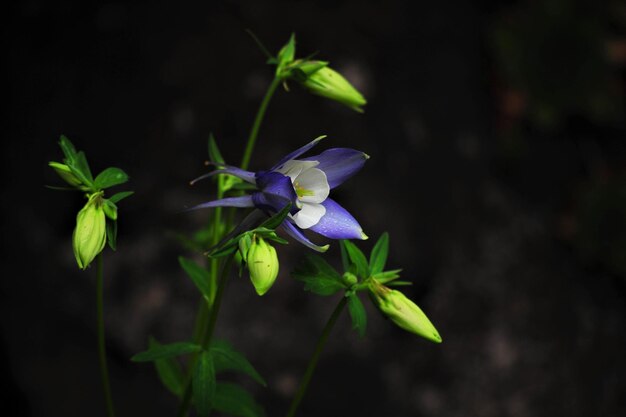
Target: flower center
pixel 301 191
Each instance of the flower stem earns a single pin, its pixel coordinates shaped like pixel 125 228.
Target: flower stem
pixel 254 132
pixel 208 332
pixel 102 355
pixel 321 342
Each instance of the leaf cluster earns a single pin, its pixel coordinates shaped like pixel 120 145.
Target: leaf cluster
pixel 321 278
pixel 208 393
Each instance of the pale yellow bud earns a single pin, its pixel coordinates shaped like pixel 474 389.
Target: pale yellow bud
pixel 262 264
pixel 90 233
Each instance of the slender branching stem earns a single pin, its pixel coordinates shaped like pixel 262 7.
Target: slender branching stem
pixel 207 334
pixel 319 347
pixel 254 132
pixel 102 354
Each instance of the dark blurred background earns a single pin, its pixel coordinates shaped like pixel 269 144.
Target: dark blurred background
pixel 498 152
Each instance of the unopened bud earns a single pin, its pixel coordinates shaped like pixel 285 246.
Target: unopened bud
pixel 90 233
pixel 326 82
pixel 404 312
pixel 263 265
pixel 350 279
pixel 66 173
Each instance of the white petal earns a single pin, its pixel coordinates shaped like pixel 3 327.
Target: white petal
pixel 312 186
pixel 293 168
pixel 309 215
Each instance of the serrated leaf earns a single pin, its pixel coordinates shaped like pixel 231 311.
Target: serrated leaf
pixel 233 400
pixel 169 371
pixel 226 358
pixel 318 276
pixel 200 276
pixel 357 258
pixel 111 227
pixel 110 177
pixel 378 257
pixel 166 351
pixel 357 313
pixel 203 384
pixel 387 276
pixel 277 219
pixel 117 197
pixel 215 155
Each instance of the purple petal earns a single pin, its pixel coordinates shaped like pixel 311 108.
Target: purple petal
pixel 297 152
pixel 339 164
pixel 296 234
pixel 270 203
pixel 274 187
pixel 244 201
pixel 337 223
pixel 247 176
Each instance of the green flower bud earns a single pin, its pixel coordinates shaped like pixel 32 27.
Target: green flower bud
pixel 263 265
pixel 404 312
pixel 350 279
pixel 326 82
pixel 90 233
pixel 66 173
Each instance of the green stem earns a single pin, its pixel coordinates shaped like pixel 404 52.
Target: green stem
pixel 306 379
pixel 102 354
pixel 208 333
pixel 254 132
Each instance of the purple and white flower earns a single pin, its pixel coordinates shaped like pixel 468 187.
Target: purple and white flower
pixel 306 184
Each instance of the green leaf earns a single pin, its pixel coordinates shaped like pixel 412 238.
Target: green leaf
pixel 277 219
pixel 166 351
pixel 112 233
pixel 387 276
pixel 200 276
pixel 215 155
pixel 170 372
pixel 318 276
pixel 378 257
pixel 68 148
pixel 116 198
pixel 357 313
pixel 399 283
pixel 233 400
pixel 286 55
pixel 357 258
pixel 110 177
pixel 228 359
pixel 110 209
pixel 80 163
pixel 203 384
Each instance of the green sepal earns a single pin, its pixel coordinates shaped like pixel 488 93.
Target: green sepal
pixel 198 275
pixel 285 56
pixel 77 163
pixel 378 257
pixel 110 177
pixel 110 209
pixel 166 351
pixel 203 383
pixel 357 313
pixel 387 276
pixel 318 276
pixel 233 400
pixel 357 258
pixel 215 156
pixel 226 358
pixel 111 227
pixel 117 197
pixel 169 371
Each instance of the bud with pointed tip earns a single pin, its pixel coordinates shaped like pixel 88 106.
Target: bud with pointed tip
pixel 403 312
pixel 263 264
pixel 322 80
pixel 90 233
